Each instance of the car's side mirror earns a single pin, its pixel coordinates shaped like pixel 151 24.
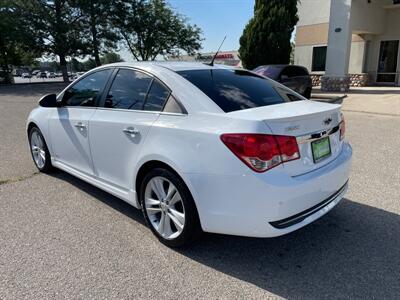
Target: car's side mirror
pixel 49 100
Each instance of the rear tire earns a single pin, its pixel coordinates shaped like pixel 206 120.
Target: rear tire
pixel 169 208
pixel 39 151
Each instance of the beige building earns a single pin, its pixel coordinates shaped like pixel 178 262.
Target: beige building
pixel 349 42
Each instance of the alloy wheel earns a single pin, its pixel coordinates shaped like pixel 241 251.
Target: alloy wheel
pixel 164 207
pixel 38 150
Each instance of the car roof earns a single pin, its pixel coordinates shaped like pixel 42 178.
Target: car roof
pixel 166 71
pixel 175 66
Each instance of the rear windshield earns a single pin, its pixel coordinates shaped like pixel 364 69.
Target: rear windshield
pixel 234 89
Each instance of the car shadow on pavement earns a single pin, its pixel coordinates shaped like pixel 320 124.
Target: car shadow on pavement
pixel 352 252
pixel 106 198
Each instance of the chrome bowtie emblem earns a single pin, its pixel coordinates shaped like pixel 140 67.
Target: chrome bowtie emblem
pixel 327 121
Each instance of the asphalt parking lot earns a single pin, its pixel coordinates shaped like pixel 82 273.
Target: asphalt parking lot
pixel 62 238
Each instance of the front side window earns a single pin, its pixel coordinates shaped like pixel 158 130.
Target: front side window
pixel 128 90
pixel 234 90
pixel 156 98
pixel 86 90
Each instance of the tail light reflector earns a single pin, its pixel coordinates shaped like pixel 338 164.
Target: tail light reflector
pixel 262 152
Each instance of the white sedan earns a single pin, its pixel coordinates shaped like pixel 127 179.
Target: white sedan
pixel 198 148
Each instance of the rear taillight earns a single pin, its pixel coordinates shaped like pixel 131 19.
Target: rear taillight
pixel 262 152
pixel 342 128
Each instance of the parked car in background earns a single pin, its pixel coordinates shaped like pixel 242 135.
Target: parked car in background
pixel 197 147
pixel 294 77
pixel 35 72
pixel 42 75
pixel 72 76
pixel 26 75
pixel 52 75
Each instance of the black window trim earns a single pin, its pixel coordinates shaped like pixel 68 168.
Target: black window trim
pixel 99 96
pixel 153 77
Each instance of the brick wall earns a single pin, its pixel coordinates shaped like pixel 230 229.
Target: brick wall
pixel 356 80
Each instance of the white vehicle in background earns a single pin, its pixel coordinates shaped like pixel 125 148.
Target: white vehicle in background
pixel 197 147
pixel 51 75
pixel 41 74
pixel 26 75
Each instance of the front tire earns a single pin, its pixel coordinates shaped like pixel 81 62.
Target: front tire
pixel 39 151
pixel 169 208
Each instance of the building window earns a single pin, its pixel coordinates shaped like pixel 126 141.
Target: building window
pixel 319 58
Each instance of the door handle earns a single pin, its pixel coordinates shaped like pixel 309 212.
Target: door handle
pixel 131 131
pixel 80 125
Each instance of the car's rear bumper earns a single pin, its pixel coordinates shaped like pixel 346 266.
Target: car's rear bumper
pixel 269 204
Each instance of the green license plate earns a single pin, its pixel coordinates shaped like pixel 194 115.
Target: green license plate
pixel 321 149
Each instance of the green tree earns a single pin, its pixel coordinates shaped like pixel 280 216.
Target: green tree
pixel 151 28
pixel 97 28
pixel 76 65
pixel 58 24
pixel 111 57
pixel 55 66
pixel 266 38
pixel 16 44
pixel 88 64
pixel 292 49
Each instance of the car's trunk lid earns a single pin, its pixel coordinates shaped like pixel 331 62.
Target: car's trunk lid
pixel 308 121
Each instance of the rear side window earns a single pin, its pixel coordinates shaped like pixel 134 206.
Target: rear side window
pixel 294 72
pixel 300 71
pixel 172 106
pixel 157 96
pixel 233 90
pixel 128 90
pixel 86 90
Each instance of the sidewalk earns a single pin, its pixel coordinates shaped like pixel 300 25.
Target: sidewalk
pixel 378 100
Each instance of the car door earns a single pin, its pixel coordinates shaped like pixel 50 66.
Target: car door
pixel 118 129
pixel 69 124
